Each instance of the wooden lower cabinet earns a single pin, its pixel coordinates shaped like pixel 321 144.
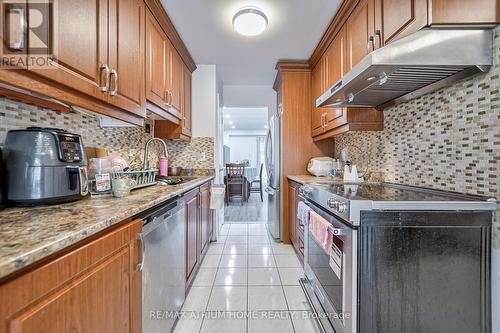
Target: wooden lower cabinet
pixel 296 226
pixel 192 218
pixel 199 228
pixel 205 215
pixel 96 287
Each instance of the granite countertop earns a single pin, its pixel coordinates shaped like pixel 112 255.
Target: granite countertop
pixel 30 234
pixel 304 179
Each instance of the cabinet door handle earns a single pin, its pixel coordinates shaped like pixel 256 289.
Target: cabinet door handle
pixel 168 98
pixel 171 101
pixel 15 37
pixel 378 33
pixel 115 86
pixel 323 120
pixel 140 238
pixel 371 41
pixel 104 70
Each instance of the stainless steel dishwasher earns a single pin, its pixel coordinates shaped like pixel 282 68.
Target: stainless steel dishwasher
pixel 163 266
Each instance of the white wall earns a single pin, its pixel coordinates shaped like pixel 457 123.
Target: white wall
pixel 228 134
pixel 205 101
pixel 250 96
pixel 208 118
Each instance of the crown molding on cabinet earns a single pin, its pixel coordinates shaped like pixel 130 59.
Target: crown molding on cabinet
pixel 289 66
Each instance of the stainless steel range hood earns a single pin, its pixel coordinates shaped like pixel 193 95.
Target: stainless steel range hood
pixel 412 66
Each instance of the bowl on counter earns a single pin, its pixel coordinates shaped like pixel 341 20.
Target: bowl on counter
pixel 174 171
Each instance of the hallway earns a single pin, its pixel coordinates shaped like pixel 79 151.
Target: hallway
pixel 247 283
pixel 252 211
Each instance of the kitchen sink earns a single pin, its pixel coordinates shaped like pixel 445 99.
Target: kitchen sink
pixel 173 180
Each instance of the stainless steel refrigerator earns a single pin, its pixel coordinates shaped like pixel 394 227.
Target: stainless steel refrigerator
pixel 273 165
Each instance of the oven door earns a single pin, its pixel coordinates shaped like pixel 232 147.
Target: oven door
pixel 331 275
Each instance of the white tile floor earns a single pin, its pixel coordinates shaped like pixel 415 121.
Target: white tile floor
pixel 247 283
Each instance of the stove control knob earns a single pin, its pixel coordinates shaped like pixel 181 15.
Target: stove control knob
pixel 305 189
pixel 332 203
pixel 342 207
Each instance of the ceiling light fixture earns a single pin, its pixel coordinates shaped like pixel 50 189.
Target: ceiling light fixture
pixel 233 127
pixel 250 21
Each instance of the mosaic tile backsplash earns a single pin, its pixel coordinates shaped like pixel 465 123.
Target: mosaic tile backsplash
pixel 127 142
pixel 449 139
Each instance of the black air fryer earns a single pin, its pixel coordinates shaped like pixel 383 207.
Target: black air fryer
pixel 44 166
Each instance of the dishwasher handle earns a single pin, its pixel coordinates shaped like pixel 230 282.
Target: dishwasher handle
pixel 140 238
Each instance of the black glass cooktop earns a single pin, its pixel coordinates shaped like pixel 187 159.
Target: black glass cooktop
pixel 393 192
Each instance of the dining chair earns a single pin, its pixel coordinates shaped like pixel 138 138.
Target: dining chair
pixel 235 178
pixel 256 184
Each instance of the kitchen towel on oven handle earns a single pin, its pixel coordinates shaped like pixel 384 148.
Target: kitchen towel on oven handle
pixel 320 229
pixel 303 211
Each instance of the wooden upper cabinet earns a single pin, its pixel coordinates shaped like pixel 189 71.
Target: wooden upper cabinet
pixel 351 44
pixel 100 51
pixel 164 68
pixel 156 63
pixel 94 288
pixel 360 33
pixel 80 58
pixel 398 18
pixel 176 68
pixel 165 129
pixel 336 69
pixel 316 91
pixel 127 55
pixel 464 12
pixel 187 112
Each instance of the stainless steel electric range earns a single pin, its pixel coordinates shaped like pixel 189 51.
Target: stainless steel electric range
pixel 402 259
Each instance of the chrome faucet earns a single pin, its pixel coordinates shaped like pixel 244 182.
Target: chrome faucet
pixel 146 151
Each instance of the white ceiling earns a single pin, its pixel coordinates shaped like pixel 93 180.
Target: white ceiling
pixel 205 26
pixel 245 119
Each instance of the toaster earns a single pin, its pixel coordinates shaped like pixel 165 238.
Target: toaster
pixel 44 166
pixel 320 166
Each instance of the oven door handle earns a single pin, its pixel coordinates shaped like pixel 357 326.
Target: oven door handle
pixel 337 231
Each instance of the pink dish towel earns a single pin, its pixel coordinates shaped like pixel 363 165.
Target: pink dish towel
pixel 320 229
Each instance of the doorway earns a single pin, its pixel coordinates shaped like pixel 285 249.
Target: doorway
pixel 245 131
